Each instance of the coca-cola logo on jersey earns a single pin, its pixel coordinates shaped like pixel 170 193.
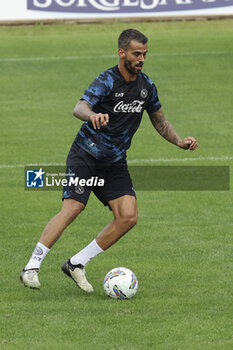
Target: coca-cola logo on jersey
pixel 134 107
pixel 122 6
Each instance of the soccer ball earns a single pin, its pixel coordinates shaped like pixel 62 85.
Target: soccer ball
pixel 120 283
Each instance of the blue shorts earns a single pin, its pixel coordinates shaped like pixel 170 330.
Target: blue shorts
pixel 85 174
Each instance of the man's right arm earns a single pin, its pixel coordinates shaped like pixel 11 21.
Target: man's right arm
pixel 84 112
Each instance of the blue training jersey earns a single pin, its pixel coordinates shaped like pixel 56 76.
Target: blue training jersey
pixel 124 102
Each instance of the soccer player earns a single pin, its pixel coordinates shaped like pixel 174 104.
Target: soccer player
pixel 111 108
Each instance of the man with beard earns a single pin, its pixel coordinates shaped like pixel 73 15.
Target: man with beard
pixel 111 109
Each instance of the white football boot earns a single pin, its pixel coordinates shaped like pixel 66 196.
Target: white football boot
pixel 77 273
pixel 30 278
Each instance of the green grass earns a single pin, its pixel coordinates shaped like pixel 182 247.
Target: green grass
pixel 181 248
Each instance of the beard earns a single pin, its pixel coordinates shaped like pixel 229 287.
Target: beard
pixel 130 68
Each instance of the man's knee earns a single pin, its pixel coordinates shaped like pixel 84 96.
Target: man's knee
pixel 71 209
pixel 125 211
pixel 132 220
pixel 128 220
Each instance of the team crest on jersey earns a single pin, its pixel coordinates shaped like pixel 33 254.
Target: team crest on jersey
pixel 79 189
pixel 144 93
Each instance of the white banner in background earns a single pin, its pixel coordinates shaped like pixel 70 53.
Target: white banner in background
pixel 54 9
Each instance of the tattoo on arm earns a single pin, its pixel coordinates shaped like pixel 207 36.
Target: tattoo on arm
pixel 164 128
pixel 83 110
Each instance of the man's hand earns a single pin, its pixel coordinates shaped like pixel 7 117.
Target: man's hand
pixel 83 111
pixel 188 143
pixel 99 120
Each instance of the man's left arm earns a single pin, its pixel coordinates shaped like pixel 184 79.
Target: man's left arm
pixel 166 130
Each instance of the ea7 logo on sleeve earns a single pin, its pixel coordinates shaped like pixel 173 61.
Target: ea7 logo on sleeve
pixel 35 178
pixel 119 94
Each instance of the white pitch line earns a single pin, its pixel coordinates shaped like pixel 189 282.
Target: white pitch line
pixel 132 161
pixel 54 58
pixel 171 160
pixel 13 166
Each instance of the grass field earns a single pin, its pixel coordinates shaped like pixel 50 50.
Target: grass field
pixel 181 249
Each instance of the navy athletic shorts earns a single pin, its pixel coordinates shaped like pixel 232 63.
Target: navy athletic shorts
pixel 85 174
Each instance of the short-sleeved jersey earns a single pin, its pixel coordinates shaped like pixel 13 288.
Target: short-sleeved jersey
pixel 124 102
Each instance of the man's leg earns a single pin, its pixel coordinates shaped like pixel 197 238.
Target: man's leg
pixel 125 217
pixel 55 227
pixel 53 230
